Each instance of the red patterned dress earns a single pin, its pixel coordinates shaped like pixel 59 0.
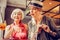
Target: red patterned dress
pixel 22 35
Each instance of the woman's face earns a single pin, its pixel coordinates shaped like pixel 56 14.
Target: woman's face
pixel 18 16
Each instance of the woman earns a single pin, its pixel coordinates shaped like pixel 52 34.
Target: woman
pixel 17 30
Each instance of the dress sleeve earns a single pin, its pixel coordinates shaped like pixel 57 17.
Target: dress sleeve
pixel 8 31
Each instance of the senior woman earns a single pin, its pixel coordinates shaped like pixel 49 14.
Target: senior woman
pixel 17 30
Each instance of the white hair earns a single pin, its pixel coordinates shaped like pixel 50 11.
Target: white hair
pixel 15 11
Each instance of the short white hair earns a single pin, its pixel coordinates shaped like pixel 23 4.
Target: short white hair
pixel 15 11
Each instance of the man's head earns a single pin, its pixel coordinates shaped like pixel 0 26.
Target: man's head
pixel 35 8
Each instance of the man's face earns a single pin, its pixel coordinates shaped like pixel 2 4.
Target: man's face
pixel 34 11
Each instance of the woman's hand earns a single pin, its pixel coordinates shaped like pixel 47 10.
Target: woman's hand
pixel 16 28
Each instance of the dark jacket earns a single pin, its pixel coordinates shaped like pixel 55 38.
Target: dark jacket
pixel 47 36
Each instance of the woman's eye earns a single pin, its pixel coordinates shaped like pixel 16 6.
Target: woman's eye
pixel 15 13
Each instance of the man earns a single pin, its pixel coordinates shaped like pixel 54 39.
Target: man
pixel 40 27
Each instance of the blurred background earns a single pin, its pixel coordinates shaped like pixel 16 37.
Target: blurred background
pixel 51 8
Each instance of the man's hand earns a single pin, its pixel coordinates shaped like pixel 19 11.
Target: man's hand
pixel 52 33
pixel 47 29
